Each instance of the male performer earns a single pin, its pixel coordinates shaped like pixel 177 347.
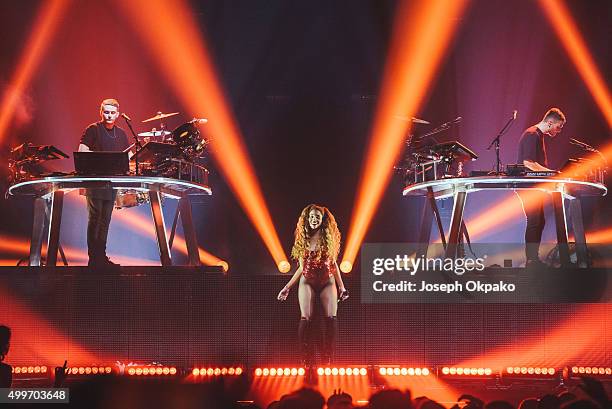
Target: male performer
pixel 532 154
pixel 102 136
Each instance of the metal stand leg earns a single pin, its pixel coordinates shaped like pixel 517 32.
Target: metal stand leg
pixel 456 223
pixel 57 204
pixel 430 210
pixel 189 231
pixel 40 229
pixel 557 199
pixel 579 236
pixel 160 229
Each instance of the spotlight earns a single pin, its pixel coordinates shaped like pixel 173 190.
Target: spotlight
pixel 463 372
pixel 151 370
pixel 403 371
pixel 224 266
pixel 346 266
pixel 34 371
pixel 598 372
pixel 284 266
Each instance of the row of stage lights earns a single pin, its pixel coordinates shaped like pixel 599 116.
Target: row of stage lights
pixel 215 371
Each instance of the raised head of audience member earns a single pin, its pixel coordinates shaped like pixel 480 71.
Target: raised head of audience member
pixel 340 400
pixel 390 399
pixel 304 398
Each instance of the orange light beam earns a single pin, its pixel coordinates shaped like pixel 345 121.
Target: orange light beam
pixel 199 88
pixel 16 245
pixel 580 337
pixel 422 32
pixel 34 339
pixel 144 226
pixel 45 26
pixel 603 236
pixel 567 31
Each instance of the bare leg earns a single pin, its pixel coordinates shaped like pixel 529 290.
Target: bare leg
pixel 329 299
pixel 305 298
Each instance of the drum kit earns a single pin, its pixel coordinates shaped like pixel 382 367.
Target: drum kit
pixel 167 153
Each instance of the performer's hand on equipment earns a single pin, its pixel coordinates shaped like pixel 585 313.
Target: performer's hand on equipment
pixel 344 294
pixel 283 294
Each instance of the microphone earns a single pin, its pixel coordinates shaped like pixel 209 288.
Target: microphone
pixel 124 115
pixel 514 114
pixel 199 121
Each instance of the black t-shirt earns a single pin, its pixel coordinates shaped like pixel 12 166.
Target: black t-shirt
pixel 531 147
pixel 98 138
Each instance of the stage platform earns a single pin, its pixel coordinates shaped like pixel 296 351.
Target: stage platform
pixel 192 317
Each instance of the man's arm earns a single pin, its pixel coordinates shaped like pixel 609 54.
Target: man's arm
pixel 535 166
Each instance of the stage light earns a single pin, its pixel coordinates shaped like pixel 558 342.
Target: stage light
pixel 197 85
pixel 529 372
pixel 258 372
pixel 29 370
pixel 266 372
pixel 567 31
pixel 346 266
pixel 284 266
pixel 44 28
pixel 421 34
pixel 595 371
pixel 320 371
pixel 464 372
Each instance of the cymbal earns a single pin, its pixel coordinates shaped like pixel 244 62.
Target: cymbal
pixel 155 133
pixel 160 115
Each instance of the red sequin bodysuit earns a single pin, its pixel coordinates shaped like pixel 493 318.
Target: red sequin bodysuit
pixel 317 272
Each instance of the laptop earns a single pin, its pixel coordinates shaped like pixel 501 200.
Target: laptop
pixel 101 163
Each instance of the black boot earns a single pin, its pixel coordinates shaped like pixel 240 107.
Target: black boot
pixel 329 340
pixel 305 340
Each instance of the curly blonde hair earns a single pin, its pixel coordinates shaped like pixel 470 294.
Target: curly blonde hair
pixel 329 239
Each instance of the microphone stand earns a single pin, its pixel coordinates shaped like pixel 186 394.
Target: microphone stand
pixel 496 143
pixel 138 144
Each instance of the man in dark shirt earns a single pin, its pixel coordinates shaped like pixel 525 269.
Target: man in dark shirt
pixel 532 154
pixel 102 136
